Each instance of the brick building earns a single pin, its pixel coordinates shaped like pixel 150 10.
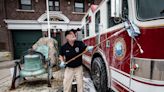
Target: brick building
pixel 22 22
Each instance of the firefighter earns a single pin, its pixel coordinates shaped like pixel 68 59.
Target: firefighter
pixel 74 68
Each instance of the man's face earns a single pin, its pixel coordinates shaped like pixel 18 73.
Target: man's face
pixel 71 37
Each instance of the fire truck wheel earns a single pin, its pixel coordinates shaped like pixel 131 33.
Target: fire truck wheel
pixel 99 74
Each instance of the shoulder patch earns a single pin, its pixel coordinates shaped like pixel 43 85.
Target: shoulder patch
pixel 67 51
pixel 77 49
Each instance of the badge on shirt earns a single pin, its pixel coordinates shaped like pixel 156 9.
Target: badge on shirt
pixel 77 49
pixel 67 51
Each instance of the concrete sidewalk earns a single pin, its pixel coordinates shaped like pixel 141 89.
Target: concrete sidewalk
pixel 5 79
pixel 7 64
pixel 38 84
pixel 5 73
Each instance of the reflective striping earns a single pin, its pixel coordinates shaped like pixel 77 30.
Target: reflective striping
pixel 123 80
pixel 141 87
pixel 87 58
pixel 126 74
pixel 114 81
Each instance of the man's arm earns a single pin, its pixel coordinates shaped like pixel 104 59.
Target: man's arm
pixel 61 58
pixel 86 48
pixel 83 46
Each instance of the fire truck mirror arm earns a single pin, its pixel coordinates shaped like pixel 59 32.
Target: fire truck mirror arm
pixel 133 31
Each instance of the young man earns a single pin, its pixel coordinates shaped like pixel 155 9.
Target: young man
pixel 74 68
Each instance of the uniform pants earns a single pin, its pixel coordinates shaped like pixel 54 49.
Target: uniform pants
pixel 69 75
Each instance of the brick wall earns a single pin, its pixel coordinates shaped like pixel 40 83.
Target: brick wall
pixel 3 33
pixel 40 8
pixel 14 13
pixel 9 10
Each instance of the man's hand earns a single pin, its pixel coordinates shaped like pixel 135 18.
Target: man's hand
pixel 61 58
pixel 62 63
pixel 90 48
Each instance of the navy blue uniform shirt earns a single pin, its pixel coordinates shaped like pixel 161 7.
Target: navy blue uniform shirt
pixel 71 51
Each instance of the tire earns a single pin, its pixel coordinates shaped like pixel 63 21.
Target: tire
pixel 99 75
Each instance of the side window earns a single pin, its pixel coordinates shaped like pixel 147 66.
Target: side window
pixel 87 30
pixel 87 25
pixel 83 34
pixel 114 21
pixel 97 21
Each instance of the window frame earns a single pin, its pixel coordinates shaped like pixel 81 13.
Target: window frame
pixel 54 7
pixel 125 13
pixel 97 21
pixel 145 19
pixel 75 8
pixel 87 26
pixel 21 5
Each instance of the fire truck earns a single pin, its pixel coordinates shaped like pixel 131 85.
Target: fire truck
pixel 128 40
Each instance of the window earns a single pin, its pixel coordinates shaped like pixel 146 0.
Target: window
pixel 150 9
pixel 54 5
pixel 114 21
pixel 97 21
pixel 87 30
pixel 25 5
pixel 91 1
pixel 87 25
pixel 79 6
pixel 83 32
pixel 110 19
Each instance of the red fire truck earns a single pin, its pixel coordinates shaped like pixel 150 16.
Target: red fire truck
pixel 128 36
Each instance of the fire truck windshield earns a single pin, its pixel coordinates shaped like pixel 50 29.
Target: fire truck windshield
pixel 150 9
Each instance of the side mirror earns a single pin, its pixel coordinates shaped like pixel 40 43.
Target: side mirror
pixel 132 29
pixel 116 8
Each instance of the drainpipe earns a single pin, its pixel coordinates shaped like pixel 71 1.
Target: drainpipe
pixel 48 19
